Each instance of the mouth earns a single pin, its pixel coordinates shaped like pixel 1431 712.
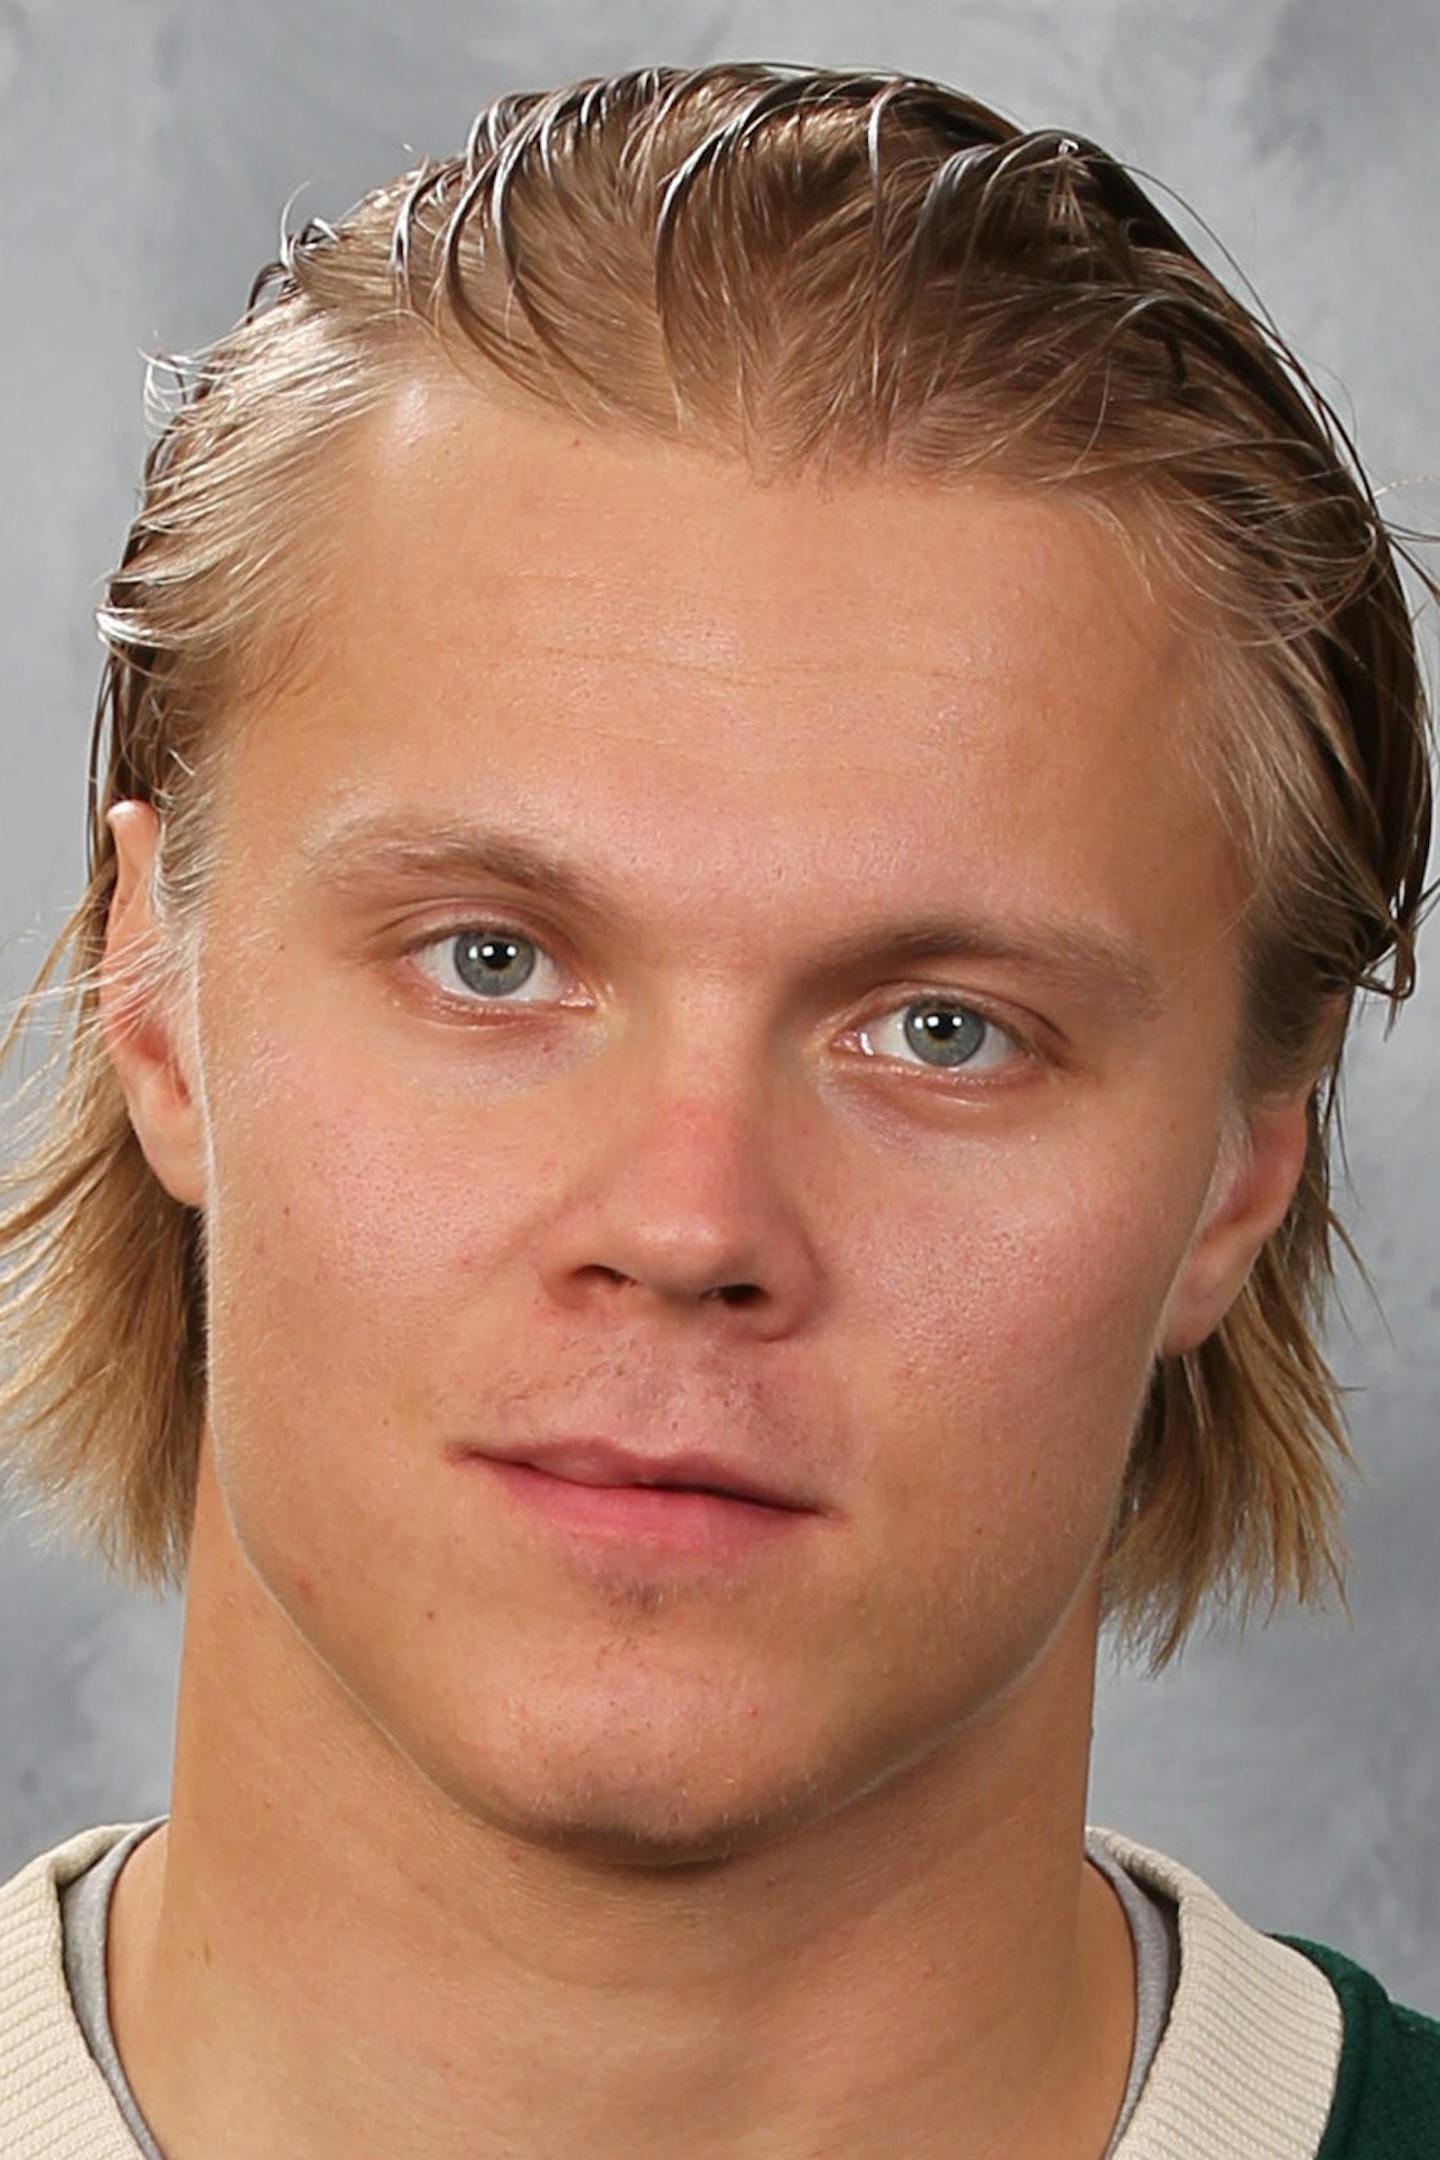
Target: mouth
pixel 660 1514
pixel 603 1463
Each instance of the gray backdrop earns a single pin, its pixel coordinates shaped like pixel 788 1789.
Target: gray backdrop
pixel 146 148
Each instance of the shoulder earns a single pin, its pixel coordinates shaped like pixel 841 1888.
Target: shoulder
pixel 1387 2085
pixel 1275 2044
pixel 55 2103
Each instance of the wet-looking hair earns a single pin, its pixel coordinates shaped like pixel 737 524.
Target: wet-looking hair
pixel 805 272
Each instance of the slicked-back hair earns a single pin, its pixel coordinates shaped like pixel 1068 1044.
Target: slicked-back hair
pixel 809 273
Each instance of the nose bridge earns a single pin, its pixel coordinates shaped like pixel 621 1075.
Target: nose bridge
pixel 700 1074
pixel 682 1186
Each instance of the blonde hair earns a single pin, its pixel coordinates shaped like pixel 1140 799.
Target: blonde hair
pixel 803 270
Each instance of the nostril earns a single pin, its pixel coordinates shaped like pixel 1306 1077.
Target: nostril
pixel 743 1293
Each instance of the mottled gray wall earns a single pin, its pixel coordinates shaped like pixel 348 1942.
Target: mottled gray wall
pixel 146 147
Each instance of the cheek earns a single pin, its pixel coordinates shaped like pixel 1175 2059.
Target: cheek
pixel 351 1223
pixel 1010 1324
pixel 356 1219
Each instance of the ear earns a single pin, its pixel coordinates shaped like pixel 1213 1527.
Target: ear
pixel 1251 1191
pixel 139 1023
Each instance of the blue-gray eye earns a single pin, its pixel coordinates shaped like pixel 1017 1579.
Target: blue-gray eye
pixel 942 1035
pixel 494 963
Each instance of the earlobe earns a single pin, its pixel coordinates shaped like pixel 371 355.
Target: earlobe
pixel 1247 1203
pixel 138 1022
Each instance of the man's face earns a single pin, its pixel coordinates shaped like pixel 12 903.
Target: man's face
pixel 769 731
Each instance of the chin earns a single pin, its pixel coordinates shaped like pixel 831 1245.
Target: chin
pixel 623 1815
pixel 641 1837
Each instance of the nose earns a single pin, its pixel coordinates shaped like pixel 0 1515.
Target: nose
pixel 680 1196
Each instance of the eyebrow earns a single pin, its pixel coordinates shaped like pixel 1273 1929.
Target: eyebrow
pixel 353 857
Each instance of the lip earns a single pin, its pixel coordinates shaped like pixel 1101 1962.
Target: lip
pixel 638 1512
pixel 599 1462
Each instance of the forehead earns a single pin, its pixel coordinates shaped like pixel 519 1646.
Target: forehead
pixel 697 674
pixel 657 556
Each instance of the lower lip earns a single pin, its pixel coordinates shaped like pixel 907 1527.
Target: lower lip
pixel 708 1526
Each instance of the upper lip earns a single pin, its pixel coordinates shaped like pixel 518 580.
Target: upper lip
pixel 601 1462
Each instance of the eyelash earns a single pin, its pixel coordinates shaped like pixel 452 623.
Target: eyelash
pixel 1021 1043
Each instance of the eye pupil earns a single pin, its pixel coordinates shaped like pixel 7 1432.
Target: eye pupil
pixel 944 1034
pixel 492 965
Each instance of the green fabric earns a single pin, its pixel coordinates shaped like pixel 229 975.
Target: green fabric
pixel 1387 2088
